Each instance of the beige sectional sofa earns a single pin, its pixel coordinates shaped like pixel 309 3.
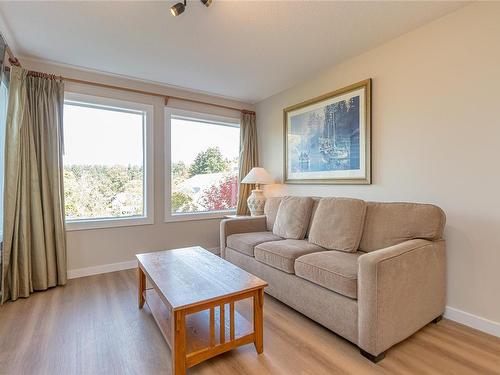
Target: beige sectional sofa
pixel 374 273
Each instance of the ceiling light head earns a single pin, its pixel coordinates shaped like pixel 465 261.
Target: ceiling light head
pixel 178 8
pixel 207 3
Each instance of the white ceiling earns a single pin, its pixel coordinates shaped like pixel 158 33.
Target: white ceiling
pixel 247 50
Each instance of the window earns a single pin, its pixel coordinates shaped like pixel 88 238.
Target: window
pixel 203 159
pixel 107 162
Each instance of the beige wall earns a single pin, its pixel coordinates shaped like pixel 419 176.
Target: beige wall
pixel 436 138
pixel 88 248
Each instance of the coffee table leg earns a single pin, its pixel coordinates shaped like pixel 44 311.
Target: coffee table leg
pixel 258 320
pixel 141 283
pixel 179 345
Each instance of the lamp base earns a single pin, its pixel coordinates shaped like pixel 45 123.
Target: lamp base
pixel 256 202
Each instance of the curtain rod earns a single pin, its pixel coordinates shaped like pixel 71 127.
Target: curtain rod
pixel 13 60
pixel 166 97
pixel 104 85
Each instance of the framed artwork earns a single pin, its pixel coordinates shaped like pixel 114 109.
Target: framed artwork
pixel 327 139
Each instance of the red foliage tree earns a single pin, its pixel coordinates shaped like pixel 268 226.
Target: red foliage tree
pixel 222 195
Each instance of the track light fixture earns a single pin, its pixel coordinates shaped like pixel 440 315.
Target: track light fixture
pixel 180 7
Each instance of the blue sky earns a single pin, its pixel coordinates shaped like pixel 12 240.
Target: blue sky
pixel 185 146
pixel 96 136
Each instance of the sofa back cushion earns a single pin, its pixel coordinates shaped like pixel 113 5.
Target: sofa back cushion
pixel 313 212
pixel 271 210
pixel 338 224
pixel 388 224
pixel 293 217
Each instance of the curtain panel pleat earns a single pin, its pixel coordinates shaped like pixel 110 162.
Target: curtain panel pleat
pixel 34 243
pixel 249 158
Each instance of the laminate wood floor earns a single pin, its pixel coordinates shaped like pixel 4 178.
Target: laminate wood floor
pixel 93 326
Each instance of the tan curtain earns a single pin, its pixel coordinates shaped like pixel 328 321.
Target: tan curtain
pixel 34 247
pixel 249 158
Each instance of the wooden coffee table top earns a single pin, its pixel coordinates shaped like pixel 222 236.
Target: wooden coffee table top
pixel 190 276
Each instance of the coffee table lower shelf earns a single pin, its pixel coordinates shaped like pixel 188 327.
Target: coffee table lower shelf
pixel 207 333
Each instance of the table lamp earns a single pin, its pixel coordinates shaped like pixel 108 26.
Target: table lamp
pixel 256 200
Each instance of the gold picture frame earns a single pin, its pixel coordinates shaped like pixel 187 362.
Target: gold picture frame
pixel 327 139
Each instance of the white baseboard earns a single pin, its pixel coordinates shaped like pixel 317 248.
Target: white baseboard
pixel 473 321
pixel 104 268
pixel 112 267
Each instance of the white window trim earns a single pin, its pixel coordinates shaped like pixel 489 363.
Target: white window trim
pixel 169 217
pixel 148 145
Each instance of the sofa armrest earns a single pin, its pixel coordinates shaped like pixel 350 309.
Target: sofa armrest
pixel 239 225
pixel 400 289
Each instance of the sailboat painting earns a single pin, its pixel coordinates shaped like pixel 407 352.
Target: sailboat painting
pixel 327 139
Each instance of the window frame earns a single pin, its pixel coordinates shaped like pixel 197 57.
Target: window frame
pixel 93 101
pixel 201 117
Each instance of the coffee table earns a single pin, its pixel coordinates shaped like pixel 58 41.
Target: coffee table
pixel 192 298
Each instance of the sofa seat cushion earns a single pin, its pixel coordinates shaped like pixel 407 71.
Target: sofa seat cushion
pixel 334 270
pixel 246 242
pixel 282 254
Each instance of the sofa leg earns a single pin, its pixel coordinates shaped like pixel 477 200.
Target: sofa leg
pixel 435 321
pixel 371 357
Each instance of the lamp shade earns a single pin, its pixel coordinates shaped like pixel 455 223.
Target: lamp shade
pixel 257 176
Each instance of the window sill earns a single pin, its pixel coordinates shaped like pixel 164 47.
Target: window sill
pixel 75 225
pixel 199 216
